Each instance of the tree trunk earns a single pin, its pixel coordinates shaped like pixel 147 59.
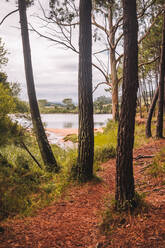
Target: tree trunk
pixel 86 133
pixel 124 165
pixel 114 78
pixel 150 114
pixel 159 127
pixel 145 92
pixel 45 149
pixel 115 105
pixel 140 103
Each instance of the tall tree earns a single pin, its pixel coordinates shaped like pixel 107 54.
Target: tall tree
pixel 45 149
pixel 107 22
pixel 84 170
pixel 159 127
pixel 124 165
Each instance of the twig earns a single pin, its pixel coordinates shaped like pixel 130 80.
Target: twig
pixel 143 156
pixel 99 85
pixel 149 62
pixel 12 12
pixel 31 155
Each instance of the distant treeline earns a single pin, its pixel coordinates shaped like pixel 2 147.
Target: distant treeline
pixel 102 105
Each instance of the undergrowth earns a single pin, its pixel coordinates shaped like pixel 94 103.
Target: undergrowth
pixel 140 138
pixel 24 187
pixel 157 168
pixel 71 137
pixel 113 219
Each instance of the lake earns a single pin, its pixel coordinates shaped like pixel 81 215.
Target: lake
pixel 64 121
pixel 61 121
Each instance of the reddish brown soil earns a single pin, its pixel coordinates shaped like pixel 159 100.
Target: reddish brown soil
pixel 74 221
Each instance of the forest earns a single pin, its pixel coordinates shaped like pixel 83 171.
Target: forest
pixel 109 190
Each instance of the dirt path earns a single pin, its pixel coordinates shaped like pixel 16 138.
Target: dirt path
pixel 74 220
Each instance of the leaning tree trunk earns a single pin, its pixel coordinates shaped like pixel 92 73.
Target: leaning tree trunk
pixel 86 135
pixel 45 149
pixel 159 127
pixel 124 164
pixel 150 114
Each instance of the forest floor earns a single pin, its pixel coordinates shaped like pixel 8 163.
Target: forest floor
pixel 74 221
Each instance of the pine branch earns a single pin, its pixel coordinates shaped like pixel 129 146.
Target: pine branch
pixel 149 62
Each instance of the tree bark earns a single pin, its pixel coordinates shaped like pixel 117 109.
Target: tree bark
pixel 86 133
pixel 159 127
pixel 150 114
pixel 124 165
pixel 45 149
pixel 115 105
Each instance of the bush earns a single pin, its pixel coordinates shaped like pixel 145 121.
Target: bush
pixel 157 168
pixel 23 186
pixel 104 153
pixel 71 137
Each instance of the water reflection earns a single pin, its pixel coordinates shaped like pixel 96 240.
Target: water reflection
pixel 99 124
pixel 68 125
pixel 61 121
pixel 72 124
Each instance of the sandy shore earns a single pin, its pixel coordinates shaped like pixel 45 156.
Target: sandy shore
pixel 62 132
pixel 66 131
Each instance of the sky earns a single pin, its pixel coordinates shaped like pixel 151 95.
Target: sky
pixel 55 68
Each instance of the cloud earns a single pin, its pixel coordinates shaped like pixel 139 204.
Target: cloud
pixel 55 70
pixel 68 67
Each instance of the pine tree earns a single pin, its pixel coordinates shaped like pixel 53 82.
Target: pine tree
pixel 124 165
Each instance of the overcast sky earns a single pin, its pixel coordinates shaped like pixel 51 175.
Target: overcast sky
pixel 55 69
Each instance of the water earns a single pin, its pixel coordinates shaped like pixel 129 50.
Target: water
pixel 60 121
pixel 63 121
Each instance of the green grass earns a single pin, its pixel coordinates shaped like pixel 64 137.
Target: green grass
pixel 24 187
pixel 71 137
pixel 113 218
pixel 157 168
pixel 140 138
pixel 108 137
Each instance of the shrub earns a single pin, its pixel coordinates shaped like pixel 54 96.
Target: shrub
pixel 157 168
pixel 104 153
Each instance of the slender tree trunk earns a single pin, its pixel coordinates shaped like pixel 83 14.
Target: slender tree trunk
pixel 86 135
pixel 159 127
pixel 150 114
pixel 114 78
pixel 45 149
pixel 145 93
pixel 115 105
pixel 124 165
pixel 140 103
pixel 150 91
